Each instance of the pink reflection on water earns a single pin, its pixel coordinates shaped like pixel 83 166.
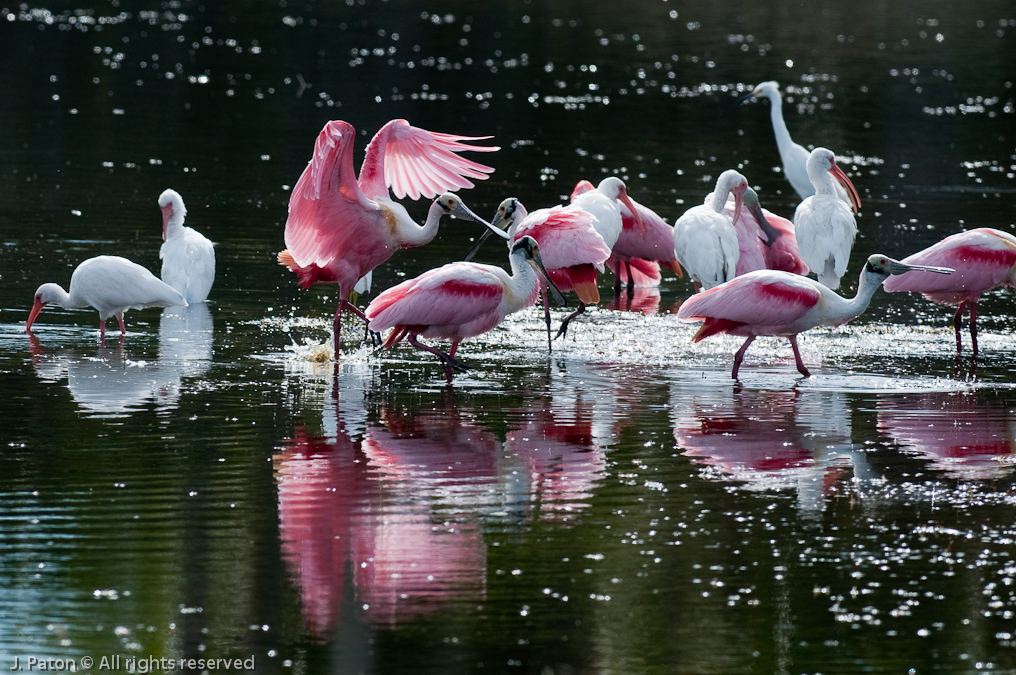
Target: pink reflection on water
pixel 772 440
pixel 560 462
pixel 389 523
pixel 955 430
pixel 644 300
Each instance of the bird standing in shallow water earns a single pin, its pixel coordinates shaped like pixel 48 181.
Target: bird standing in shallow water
pixel 770 302
pixel 640 248
pixel 984 259
pixel 110 284
pixel 188 257
pixel 341 226
pixel 570 247
pixel 793 156
pixel 705 240
pixel 459 300
pixel 825 226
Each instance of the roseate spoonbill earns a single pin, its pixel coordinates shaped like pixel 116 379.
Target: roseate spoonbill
pixel 771 302
pixel 460 300
pixel 571 248
pixel 984 259
pixel 765 240
pixel 824 223
pixel 704 238
pixel 341 227
pixel 110 284
pixel 188 257
pixel 605 203
pixel 793 156
pixel 638 253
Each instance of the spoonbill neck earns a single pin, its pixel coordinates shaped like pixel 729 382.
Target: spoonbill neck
pixel 409 233
pixel 523 284
pixel 845 309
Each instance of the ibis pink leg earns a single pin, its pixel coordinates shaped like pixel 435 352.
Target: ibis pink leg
pixel 797 357
pixel 123 329
pixel 740 355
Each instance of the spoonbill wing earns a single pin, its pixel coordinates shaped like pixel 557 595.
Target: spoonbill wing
pixel 327 193
pixel 420 163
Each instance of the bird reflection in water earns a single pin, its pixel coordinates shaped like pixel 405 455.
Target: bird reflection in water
pixel 772 440
pixel 384 525
pixel 111 382
pixel 641 299
pixel 960 435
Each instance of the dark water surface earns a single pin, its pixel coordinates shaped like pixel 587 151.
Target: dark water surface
pixel 208 489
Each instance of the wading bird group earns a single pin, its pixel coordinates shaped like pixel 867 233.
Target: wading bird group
pixel 748 266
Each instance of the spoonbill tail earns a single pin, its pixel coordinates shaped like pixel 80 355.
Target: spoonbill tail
pixel 793 156
pixel 188 257
pixel 571 249
pixel 638 253
pixel 341 227
pixel 825 225
pixel 605 203
pixel 704 238
pixel 771 302
pixel 110 284
pixel 765 240
pixel 460 300
pixel 984 259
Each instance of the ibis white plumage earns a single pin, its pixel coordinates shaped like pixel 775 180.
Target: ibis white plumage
pixel 188 257
pixel 111 285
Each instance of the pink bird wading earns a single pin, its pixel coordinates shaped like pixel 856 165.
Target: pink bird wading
pixel 984 259
pixel 459 300
pixel 341 227
pixel 570 247
pixel 770 302
pixel 639 249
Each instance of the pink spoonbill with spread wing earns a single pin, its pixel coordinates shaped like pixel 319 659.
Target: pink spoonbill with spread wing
pixel 110 284
pixel 188 257
pixel 770 302
pixel 341 226
pixel 825 226
pixel 984 259
pixel 459 300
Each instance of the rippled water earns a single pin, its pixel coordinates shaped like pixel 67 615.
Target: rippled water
pixel 210 488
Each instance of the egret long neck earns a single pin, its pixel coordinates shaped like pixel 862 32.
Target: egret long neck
pixel 783 140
